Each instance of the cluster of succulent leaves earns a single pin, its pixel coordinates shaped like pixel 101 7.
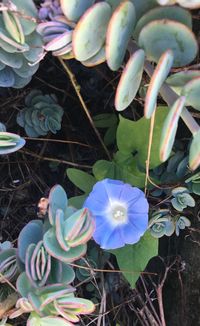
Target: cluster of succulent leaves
pixel 150 32
pixel 40 266
pixel 42 114
pixel 20 45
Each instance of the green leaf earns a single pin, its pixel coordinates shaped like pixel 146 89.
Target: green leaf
pixel 103 169
pixel 134 258
pixel 80 179
pixel 77 201
pixel 133 137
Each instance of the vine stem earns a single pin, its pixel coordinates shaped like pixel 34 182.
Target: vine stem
pixel 170 97
pixel 77 90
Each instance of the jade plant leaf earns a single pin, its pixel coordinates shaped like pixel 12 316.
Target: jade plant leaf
pixel 191 4
pixel 170 127
pixel 74 9
pixel 131 140
pixel 194 154
pixel 57 200
pixel 138 254
pixel 89 37
pixel 160 35
pixel 143 6
pixel 118 34
pixel 174 13
pixel 130 80
pixel 160 74
pixel 191 91
pixel 10 142
pixel 97 59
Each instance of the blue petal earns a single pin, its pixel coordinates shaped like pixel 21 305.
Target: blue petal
pixel 112 240
pixel 131 194
pixel 95 205
pixel 130 234
pixel 102 231
pixel 140 206
pixel 139 222
pixel 113 188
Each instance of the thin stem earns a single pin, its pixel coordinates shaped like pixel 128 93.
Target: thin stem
pixel 77 90
pixel 170 97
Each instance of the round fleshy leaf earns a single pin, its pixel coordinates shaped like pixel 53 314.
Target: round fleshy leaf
pixel 160 74
pixel 143 6
pixel 7 77
pixel 161 35
pixel 36 320
pixel 169 128
pixel 31 233
pixel 194 154
pixel 191 4
pixel 74 9
pixel 174 13
pixel 57 200
pixel 53 248
pixel 114 3
pixel 130 80
pixel 118 34
pixel 23 285
pixel 10 143
pixel 192 91
pixel 89 34
pixel 177 81
pixel 97 59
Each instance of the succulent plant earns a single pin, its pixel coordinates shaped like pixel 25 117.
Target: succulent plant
pixel 20 45
pixel 181 224
pixel 49 9
pixel 41 114
pixel 5 245
pixel 161 224
pixel 10 142
pixel 182 199
pixel 193 183
pixel 8 265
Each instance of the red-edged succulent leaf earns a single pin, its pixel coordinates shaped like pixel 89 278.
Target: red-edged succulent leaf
pixel 57 200
pixel 194 154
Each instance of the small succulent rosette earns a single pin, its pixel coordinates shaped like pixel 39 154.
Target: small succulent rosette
pixel 8 264
pixel 161 223
pixel 181 223
pixel 41 115
pixel 193 183
pixel 182 198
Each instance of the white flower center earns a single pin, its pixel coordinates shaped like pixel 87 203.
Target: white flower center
pixel 118 212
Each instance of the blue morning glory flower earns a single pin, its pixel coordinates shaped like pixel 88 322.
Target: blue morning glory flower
pixel 120 212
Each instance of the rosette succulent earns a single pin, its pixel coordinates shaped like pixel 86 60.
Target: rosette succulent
pixel 41 114
pixel 20 45
pixel 161 224
pixel 8 265
pixel 181 224
pixel 182 198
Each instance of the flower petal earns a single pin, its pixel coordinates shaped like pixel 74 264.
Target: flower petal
pixel 112 240
pixel 139 222
pixel 130 234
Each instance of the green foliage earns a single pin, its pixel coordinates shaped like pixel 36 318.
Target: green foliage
pixel 193 183
pixel 108 121
pixel 138 141
pixel 132 259
pixel 41 114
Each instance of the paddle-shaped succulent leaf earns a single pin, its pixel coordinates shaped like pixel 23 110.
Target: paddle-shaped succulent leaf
pixel 35 320
pixel 130 80
pixel 160 74
pixel 191 91
pixel 173 13
pixel 97 59
pixel 193 183
pixel 182 198
pixel 57 200
pixel 194 154
pixel 8 265
pixel 178 80
pixel 10 142
pixel 22 306
pixel 41 114
pixel 160 35
pixel 169 128
pixel 58 299
pixel 67 239
pixel 32 233
pixel 161 224
pixel 181 224
pixel 57 36
pixel 191 4
pixel 89 37
pixel 20 45
pixel 74 9
pixel 119 31
pixel 143 6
